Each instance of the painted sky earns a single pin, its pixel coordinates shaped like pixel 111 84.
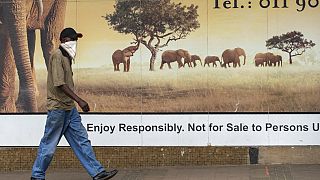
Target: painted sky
pixel 220 29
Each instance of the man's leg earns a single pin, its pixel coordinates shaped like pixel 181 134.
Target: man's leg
pixel 77 137
pixel 49 142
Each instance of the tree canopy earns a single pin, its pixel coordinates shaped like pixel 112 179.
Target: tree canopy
pixel 292 43
pixel 153 22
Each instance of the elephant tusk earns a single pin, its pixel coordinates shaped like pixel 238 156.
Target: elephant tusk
pixel 40 8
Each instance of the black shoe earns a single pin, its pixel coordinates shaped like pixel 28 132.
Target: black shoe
pixel 32 178
pixel 105 175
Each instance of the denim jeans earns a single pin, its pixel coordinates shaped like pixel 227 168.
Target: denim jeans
pixel 67 123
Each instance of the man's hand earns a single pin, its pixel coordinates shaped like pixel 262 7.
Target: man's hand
pixel 84 106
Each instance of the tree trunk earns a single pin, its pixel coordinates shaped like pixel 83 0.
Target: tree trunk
pixel 7 75
pixel 290 59
pixel 16 23
pixel 153 59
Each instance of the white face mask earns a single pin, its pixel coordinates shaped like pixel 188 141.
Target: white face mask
pixel 70 47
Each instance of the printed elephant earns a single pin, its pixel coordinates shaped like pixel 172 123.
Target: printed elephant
pixel 268 59
pixel 187 61
pixel 259 62
pixel 213 60
pixel 20 19
pixel 123 56
pixel 262 59
pixel 169 56
pixel 195 58
pixel 233 56
pixel 276 60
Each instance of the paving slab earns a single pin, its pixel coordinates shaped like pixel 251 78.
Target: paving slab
pixel 242 172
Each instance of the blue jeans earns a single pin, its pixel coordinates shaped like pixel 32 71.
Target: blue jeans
pixel 67 123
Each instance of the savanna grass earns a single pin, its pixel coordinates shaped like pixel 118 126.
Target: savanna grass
pixel 199 89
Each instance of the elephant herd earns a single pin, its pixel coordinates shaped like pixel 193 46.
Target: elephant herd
pixel 229 56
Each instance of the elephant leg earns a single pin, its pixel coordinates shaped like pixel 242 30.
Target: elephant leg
pixel 125 64
pixel 161 66
pixel 124 67
pixel 118 67
pixel 128 65
pixel 169 65
pixel 31 45
pixel 48 45
pixel 7 75
pixel 53 25
pixel 114 67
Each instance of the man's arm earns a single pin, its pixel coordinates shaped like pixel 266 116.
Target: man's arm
pixel 83 104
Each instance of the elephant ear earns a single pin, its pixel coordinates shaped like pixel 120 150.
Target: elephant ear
pixel 180 53
pixel 239 51
pixel 126 52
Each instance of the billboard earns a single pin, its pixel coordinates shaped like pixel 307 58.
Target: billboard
pixel 175 129
pixel 188 57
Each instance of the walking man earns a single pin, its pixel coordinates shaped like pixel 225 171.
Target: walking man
pixel 63 117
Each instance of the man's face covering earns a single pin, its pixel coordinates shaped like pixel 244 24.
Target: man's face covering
pixel 70 47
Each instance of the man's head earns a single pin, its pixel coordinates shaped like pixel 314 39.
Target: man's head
pixel 69 34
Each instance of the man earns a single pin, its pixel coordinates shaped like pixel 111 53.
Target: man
pixel 63 117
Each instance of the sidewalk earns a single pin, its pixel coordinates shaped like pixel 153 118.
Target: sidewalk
pixel 245 172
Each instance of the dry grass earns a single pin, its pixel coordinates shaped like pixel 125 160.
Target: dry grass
pixel 246 89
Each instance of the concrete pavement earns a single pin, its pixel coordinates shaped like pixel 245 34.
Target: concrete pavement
pixel 242 172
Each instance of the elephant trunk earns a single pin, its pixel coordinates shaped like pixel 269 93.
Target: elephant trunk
pixel 244 60
pixel 40 8
pixel 16 23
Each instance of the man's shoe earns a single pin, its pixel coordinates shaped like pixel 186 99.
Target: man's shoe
pixel 105 175
pixel 32 178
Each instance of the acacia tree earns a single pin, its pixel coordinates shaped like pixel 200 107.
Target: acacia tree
pixel 154 23
pixel 292 42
